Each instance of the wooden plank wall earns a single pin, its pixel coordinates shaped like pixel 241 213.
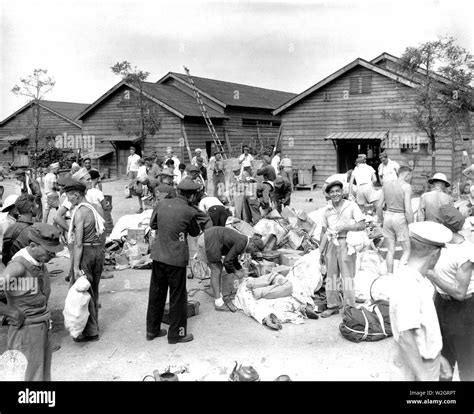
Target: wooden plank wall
pixel 102 122
pixel 23 123
pixel 198 133
pixel 312 119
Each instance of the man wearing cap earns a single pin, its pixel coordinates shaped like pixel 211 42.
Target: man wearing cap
pixel 165 189
pixel 454 301
pixel 31 186
pixel 17 235
pixel 27 290
pixel 365 177
pixel 388 169
pixel 413 316
pixel 344 179
pixel 218 175
pixel 173 220
pixel 431 201
pixel 86 235
pixel 132 167
pixel 199 153
pixel 281 193
pixel 8 216
pixel 216 242
pixel 170 156
pixel 202 170
pixel 51 190
pixel 395 212
pixel 245 159
pixel 339 217
pixel 194 174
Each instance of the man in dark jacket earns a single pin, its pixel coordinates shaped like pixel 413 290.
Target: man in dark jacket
pixel 31 186
pixel 174 219
pixel 224 241
pixel 17 236
pixel 282 193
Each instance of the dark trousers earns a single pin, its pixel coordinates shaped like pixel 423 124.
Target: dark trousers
pixel 162 277
pixel 218 215
pixel 34 341
pixel 456 320
pixel 92 263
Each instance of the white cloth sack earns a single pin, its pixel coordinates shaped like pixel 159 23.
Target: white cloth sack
pixel 76 307
pixel 130 221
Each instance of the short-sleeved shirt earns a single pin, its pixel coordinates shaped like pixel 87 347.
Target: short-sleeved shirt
pixel 49 183
pixel 451 259
pixel 207 202
pixel 246 160
pixel 349 213
pixel 95 196
pixel 388 172
pixel 363 174
pixel 132 164
pixel 412 307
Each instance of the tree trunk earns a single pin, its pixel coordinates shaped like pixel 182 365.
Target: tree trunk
pixel 433 155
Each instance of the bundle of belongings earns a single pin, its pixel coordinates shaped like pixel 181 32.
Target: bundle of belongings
pixel 128 246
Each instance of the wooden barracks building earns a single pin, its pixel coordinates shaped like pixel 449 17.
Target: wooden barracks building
pixel 17 131
pixel 326 126
pixel 241 114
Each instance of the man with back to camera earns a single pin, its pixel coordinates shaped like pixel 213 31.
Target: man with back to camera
pixel 431 201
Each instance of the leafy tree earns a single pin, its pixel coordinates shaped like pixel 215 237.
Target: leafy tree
pixel 35 87
pixel 444 72
pixel 148 122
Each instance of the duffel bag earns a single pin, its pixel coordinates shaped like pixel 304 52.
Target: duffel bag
pixel 369 324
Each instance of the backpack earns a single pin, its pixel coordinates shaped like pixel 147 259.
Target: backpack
pixel 369 324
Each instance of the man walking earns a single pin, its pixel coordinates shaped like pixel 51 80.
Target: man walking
pixel 339 217
pixel 395 212
pixel 27 304
pixel 364 175
pixel 86 235
pixel 132 168
pixel 174 219
pixel 413 316
pixel 431 201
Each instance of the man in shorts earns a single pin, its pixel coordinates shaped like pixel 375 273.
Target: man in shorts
pixel 395 212
pixel 365 177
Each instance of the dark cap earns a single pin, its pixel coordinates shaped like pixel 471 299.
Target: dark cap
pixel 333 184
pixel 47 236
pixel 451 217
pixel 383 155
pixel 94 174
pixel 188 185
pixel 279 182
pixel 73 185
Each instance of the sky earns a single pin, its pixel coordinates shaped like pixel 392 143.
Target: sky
pixel 288 46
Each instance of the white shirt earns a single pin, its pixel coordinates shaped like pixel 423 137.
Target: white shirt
pixel 388 172
pixel 276 163
pixel 141 174
pixel 412 307
pixel 49 182
pixel 207 202
pixel 246 160
pixel 451 259
pixel 132 164
pixel 95 196
pixel 363 174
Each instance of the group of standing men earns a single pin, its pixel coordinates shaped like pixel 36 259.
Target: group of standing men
pixel 432 303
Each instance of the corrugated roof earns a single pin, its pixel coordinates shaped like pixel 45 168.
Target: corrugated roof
pixel 248 96
pixel 178 100
pixel 358 135
pixel 69 109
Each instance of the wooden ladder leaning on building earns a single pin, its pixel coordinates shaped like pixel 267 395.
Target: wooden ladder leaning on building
pixel 206 117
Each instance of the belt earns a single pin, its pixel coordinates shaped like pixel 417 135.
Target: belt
pixel 447 297
pixel 92 244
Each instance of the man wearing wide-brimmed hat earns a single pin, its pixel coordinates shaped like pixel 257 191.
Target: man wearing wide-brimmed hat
pixel 27 288
pixel 431 201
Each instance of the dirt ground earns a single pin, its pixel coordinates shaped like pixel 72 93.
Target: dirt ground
pixel 313 351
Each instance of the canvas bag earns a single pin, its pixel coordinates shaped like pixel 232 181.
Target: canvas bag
pixel 76 307
pixel 368 324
